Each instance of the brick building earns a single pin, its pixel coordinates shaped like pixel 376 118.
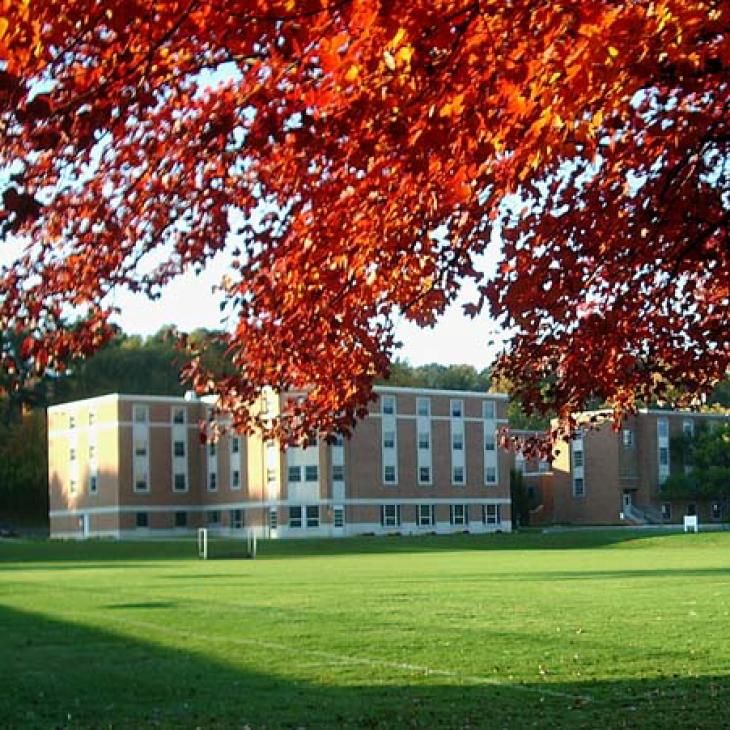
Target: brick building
pixel 421 461
pixel 609 477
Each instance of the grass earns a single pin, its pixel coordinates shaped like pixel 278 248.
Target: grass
pixel 571 630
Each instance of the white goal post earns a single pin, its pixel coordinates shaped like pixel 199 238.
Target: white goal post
pixel 203 543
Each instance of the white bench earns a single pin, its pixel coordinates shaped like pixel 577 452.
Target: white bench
pixel 691 524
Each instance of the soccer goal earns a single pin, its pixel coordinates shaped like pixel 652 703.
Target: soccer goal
pixel 214 546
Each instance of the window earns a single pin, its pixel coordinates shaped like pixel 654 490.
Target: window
pixel 457 475
pixel 691 509
pixel 457 408
pixel 628 435
pixel 688 428
pixel 458 514
pixel 312 512
pixel 579 488
pixel 179 448
pixel 270 475
pixel 181 519
pixel 662 428
pixel 140 447
pixel 295 474
pixel 311 473
pixel 178 416
pixel 338 440
pixel 211 450
pixel 72 421
pixel 72 486
pixel 424 440
pixel 457 441
pixel 295 516
pixel 92 418
pixel 423 407
pixel 666 511
pixel 212 482
pixel 489 411
pixel 72 454
pixel 140 483
pixel 492 514
pixel 93 484
pixel 424 474
pixel 179 483
pixel 338 473
pixel 425 516
pixel 489 442
pixel 389 475
pixel 577 459
pixel 236 516
pixel 490 475
pixel 235 445
pixel 273 519
pixel 339 517
pixel 390 515
pixel 92 452
pixel 140 414
pixel 388 404
pixel 716 511
pixel 235 479
pixel 214 517
pixel 663 456
pixel 388 439
pixel 141 519
pixel 543 466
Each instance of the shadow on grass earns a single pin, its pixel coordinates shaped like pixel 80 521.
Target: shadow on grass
pixel 65 675
pixel 106 553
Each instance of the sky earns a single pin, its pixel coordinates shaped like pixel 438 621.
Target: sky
pixel 189 303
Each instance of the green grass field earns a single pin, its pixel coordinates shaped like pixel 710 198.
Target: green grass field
pixel 578 630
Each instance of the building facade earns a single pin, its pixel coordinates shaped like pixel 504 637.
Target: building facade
pixel 421 461
pixel 609 477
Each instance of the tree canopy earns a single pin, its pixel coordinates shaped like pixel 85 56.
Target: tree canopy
pixel 706 461
pixel 353 158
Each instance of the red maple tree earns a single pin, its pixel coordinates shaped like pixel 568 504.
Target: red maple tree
pixel 354 157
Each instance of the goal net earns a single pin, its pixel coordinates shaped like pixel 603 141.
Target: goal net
pixel 213 546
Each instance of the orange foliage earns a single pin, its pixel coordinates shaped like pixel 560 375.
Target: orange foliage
pixel 382 141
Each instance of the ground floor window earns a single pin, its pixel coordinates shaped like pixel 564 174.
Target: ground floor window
pixel 181 519
pixel 313 516
pixel 716 511
pixel 295 516
pixel 425 515
pixel 236 519
pixel 666 511
pixel 691 510
pixel 390 515
pixel 492 514
pixel 273 518
pixel 142 519
pixel 214 517
pixel 339 516
pixel 459 514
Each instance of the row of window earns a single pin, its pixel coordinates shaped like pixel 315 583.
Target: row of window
pixel 423 407
pixel 715 510
pixel 390 515
pixel 459 514
pixel 180 482
pixel 458 475
pixel 180 518
pixel 424 441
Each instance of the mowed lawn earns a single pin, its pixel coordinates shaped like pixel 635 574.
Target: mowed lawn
pixel 586 630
